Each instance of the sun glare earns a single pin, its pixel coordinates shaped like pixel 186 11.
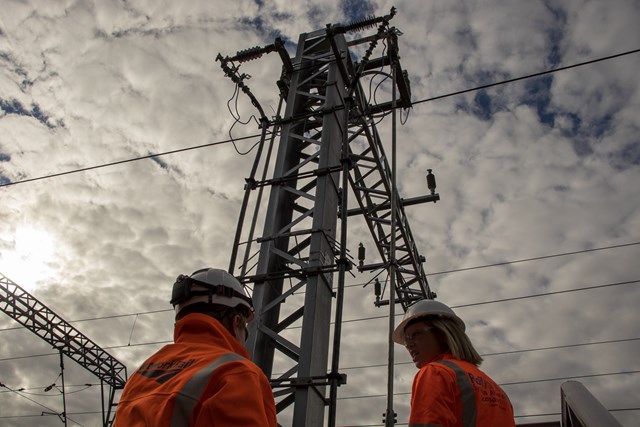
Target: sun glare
pixel 29 262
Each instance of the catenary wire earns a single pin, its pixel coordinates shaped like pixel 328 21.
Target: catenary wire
pixel 572 377
pixel 534 258
pixel 256 135
pixel 24 390
pixel 120 162
pixel 38 403
pixel 361 284
pixel 543 294
pixel 529 76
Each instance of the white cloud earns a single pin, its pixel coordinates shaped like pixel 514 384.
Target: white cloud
pixel 527 169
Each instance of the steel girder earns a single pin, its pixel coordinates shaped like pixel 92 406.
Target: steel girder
pixel 299 239
pixel 24 308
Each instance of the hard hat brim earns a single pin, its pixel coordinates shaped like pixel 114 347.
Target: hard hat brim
pixel 398 333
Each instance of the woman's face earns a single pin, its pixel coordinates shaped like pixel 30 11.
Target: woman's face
pixel 421 343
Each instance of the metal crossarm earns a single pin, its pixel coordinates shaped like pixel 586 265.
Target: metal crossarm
pixel 24 308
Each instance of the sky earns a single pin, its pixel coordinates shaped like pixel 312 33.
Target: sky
pixel 525 170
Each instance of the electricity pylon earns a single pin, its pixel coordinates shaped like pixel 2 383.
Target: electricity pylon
pixel 329 149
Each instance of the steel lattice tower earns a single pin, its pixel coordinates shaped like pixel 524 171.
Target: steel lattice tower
pixel 329 149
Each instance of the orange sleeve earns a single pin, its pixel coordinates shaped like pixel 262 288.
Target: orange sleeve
pixel 243 397
pixel 433 397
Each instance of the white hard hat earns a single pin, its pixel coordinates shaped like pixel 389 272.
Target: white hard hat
pixel 425 307
pixel 210 285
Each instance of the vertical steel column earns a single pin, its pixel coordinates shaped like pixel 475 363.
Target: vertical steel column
pixel 64 393
pixel 390 417
pixel 298 242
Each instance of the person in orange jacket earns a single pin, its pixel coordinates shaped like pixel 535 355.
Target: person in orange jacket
pixel 449 390
pixel 205 377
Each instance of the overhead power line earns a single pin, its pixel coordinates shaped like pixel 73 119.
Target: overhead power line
pixel 510 383
pixel 119 162
pixel 52 412
pixel 553 70
pixel 529 76
pixel 502 353
pixel 564 291
pixel 497 264
pixel 115 316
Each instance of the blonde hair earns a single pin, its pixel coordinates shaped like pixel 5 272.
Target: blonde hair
pixel 456 339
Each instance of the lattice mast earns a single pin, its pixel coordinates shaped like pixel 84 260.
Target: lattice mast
pixel 24 308
pixel 329 148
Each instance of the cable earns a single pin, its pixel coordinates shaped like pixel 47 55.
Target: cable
pixel 361 284
pixel 55 175
pixel 606 374
pixel 115 316
pixel 542 73
pixel 505 384
pixel 587 288
pixel 352 367
pixel 6 417
pixel 384 317
pixel 23 390
pixel 502 353
pixel 512 299
pixel 236 117
pixel 39 404
pixel 534 259
pixel 255 136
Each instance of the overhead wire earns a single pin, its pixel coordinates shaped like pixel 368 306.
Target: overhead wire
pixel 236 117
pixel 528 76
pixel 602 248
pixel 566 378
pixel 53 412
pixel 24 389
pixel 553 70
pixel 120 162
pixel 497 264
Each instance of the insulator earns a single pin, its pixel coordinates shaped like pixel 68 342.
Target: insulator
pixel 431 181
pixel 249 54
pixel 361 252
pixel 362 24
pixel 369 22
pixel 377 288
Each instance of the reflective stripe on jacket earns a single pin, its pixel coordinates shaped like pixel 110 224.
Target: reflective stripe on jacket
pixel 203 379
pixel 453 393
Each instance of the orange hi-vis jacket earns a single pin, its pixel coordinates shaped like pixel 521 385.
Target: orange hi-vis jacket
pixel 203 379
pixel 448 392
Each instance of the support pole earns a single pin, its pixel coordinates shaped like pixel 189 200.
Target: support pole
pixel 390 415
pixel 64 398
pixel 335 377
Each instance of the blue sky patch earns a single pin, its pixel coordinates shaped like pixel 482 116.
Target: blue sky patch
pixel 160 162
pixel 482 105
pixel 629 156
pixel 538 95
pixel 15 107
pixel 357 9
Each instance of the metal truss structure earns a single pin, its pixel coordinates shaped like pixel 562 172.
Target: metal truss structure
pixel 329 149
pixel 24 308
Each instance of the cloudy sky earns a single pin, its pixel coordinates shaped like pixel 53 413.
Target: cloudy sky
pixel 525 170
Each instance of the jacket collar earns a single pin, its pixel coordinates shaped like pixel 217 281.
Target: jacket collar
pixel 205 330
